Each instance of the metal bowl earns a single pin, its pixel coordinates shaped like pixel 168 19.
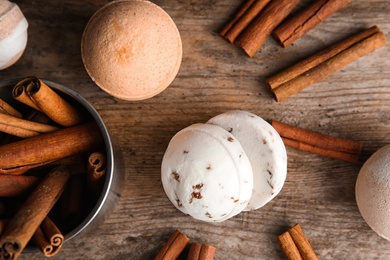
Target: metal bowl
pixel 111 189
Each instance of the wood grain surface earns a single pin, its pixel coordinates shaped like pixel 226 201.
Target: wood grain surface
pixel 215 77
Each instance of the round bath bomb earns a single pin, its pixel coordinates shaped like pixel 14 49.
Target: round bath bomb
pixel 131 49
pixel 265 150
pixel 373 192
pixel 206 173
pixel 13 33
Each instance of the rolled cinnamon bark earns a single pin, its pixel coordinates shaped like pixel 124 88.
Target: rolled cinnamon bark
pixel 45 148
pixel 23 124
pixel 201 252
pixel 47 101
pixel 28 218
pixel 11 186
pixel 7 109
pixel 246 16
pixel 173 247
pixel 288 247
pixel 48 238
pixel 96 170
pixel 236 17
pixel 292 29
pixel 265 22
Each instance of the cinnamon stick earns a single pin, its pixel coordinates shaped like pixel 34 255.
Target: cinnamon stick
pixel 48 238
pixel 23 225
pixel 302 243
pixel 7 109
pixel 174 246
pixel 288 247
pixel 39 150
pixel 23 124
pixel 255 34
pixel 46 100
pixel 292 29
pixel 318 66
pixel 96 170
pixel 306 140
pixel 201 252
pixel 12 186
pixel 243 18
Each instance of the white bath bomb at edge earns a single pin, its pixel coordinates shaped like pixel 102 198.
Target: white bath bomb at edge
pixel 373 192
pixel 206 173
pixel 13 34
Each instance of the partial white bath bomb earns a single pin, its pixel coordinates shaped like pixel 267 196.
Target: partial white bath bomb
pixel 206 173
pixel 13 33
pixel 265 150
pixel 373 192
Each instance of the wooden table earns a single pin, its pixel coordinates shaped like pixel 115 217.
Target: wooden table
pixel 216 76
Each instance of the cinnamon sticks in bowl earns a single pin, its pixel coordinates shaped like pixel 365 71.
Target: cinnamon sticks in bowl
pixel 47 221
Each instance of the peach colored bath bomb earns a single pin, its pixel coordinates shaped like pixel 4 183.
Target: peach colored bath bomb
pixel 131 49
pixel 373 192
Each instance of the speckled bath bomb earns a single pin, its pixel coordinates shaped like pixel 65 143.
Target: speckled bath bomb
pixel 373 192
pixel 131 49
pixel 206 173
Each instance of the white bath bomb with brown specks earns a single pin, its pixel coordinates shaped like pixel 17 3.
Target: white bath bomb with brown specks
pixel 206 173
pixel 131 49
pixel 13 33
pixel 373 192
pixel 265 150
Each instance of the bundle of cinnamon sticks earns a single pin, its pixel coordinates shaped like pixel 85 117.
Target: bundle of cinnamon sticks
pixel 176 244
pixel 45 150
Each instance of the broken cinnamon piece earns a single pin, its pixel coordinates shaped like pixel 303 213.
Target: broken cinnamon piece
pixel 306 140
pixel 318 66
pixel 173 247
pixel 292 29
pixel 303 245
pixel 288 247
pixel 28 218
pixel 265 22
pixel 201 252
pixel 243 18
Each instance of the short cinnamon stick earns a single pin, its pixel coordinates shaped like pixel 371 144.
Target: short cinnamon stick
pixel 12 186
pixel 243 18
pixel 251 39
pixel 313 69
pixel 96 170
pixel 173 247
pixel 48 238
pixel 306 140
pixel 288 247
pixel 45 148
pixel 302 22
pixel 23 225
pixel 201 252
pixel 46 100
pixel 303 245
